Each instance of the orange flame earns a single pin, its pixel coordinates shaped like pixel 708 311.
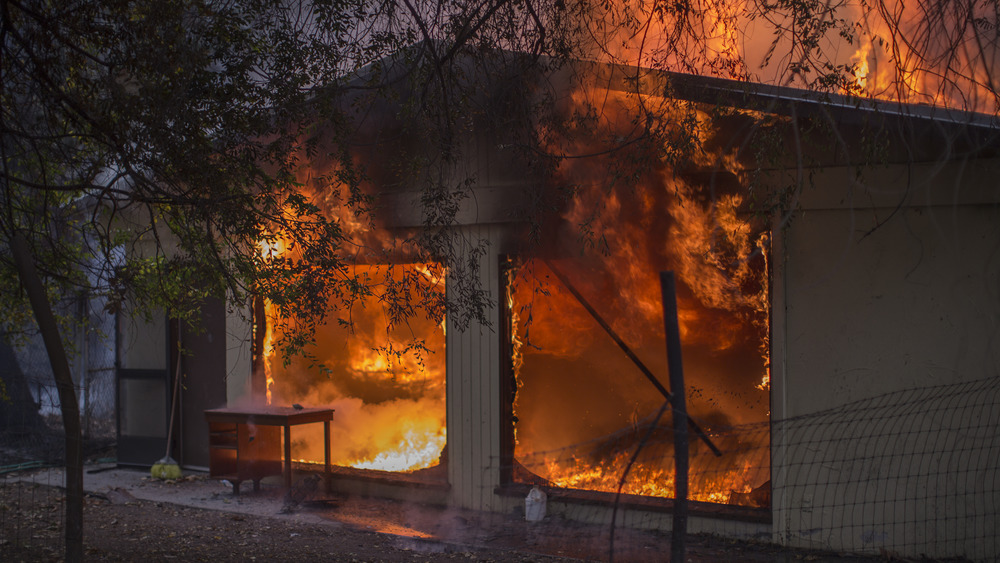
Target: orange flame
pixel 379 359
pixel 386 385
pixel 936 53
pixel 652 480
pixel 679 208
pixel 269 250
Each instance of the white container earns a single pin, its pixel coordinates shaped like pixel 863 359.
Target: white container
pixel 534 505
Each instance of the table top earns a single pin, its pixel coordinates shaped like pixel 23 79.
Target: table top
pixel 269 415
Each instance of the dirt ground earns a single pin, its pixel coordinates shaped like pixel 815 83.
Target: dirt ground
pixel 130 517
pixel 120 528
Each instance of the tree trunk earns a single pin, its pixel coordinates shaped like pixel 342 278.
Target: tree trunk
pixel 39 300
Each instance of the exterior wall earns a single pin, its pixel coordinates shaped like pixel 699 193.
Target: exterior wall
pixel 476 414
pixel 239 339
pixel 473 383
pixel 885 362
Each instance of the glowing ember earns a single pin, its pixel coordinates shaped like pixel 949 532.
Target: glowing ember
pixel 648 479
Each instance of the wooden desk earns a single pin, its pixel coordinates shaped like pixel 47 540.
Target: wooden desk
pixel 244 442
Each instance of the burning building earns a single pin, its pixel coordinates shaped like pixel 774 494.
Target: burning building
pixel 814 279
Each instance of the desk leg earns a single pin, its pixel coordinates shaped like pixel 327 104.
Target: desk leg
pixel 288 457
pixel 326 453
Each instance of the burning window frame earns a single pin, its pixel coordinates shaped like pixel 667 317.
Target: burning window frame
pixel 393 352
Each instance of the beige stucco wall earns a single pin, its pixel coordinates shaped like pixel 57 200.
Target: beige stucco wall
pixel 886 300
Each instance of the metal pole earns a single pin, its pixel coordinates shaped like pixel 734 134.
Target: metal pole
pixel 676 368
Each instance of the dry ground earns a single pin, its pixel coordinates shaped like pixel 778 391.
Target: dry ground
pixel 118 527
pixel 200 520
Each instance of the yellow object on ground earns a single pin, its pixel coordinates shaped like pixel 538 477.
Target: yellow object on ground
pixel 166 468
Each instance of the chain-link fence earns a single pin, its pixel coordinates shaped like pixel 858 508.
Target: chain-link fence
pixel 910 474
pixel 32 422
pixel 914 473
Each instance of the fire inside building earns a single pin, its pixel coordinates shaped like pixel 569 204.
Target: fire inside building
pixel 806 287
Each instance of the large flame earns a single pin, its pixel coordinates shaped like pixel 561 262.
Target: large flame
pixel 379 359
pixel 582 407
pixel 385 382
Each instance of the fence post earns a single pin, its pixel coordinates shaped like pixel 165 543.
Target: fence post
pixel 679 532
